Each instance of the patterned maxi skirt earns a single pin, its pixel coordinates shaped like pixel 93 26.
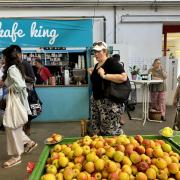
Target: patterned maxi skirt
pixel 105 117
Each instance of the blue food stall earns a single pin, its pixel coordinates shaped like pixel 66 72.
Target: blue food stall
pixel 64 47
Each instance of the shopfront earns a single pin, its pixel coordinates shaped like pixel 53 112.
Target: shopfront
pixel 64 47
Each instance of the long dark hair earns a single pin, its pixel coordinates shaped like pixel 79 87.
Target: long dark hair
pixel 11 55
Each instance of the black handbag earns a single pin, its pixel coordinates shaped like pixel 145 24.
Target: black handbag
pixel 3 103
pixel 117 92
pixel 35 103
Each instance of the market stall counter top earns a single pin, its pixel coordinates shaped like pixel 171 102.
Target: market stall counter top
pixel 158 140
pixel 63 103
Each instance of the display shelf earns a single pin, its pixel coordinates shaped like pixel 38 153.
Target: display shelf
pixel 58 61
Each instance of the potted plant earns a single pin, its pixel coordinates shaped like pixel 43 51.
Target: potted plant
pixel 134 71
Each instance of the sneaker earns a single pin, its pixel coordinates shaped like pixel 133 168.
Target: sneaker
pixel 29 147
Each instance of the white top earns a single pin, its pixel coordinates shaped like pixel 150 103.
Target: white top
pixel 147 81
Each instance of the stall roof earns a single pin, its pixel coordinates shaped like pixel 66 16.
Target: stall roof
pixel 56 3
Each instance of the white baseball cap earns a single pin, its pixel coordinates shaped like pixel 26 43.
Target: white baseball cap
pixel 99 46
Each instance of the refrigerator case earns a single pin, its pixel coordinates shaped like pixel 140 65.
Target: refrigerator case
pixel 170 66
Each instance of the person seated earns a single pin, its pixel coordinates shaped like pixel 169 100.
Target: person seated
pixel 43 73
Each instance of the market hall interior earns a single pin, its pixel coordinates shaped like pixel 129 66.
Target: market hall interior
pixel 40 131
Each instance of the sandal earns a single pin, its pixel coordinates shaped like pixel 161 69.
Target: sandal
pixel 11 162
pixel 30 147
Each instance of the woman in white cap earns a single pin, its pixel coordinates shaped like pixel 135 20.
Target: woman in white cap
pixel 105 112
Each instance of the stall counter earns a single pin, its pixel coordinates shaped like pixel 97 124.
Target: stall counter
pixel 63 103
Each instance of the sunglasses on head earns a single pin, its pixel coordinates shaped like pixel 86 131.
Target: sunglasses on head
pixel 99 43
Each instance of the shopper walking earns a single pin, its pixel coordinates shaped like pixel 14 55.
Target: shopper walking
pixel 29 79
pixel 176 104
pixel 14 79
pixel 105 113
pixel 158 91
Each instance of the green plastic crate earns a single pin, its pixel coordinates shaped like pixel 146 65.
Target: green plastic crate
pixel 176 139
pixel 39 169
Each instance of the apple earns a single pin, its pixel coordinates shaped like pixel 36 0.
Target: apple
pixel 74 145
pixel 146 158
pixel 151 173
pixel 57 137
pixel 79 159
pixel 158 152
pixel 66 150
pixel 99 164
pixel 139 138
pixel 54 155
pixel 174 159
pixel 161 163
pixel 99 144
pixel 89 167
pixel 149 152
pixel 50 139
pixel 123 175
pixel 51 169
pixel 100 151
pixel 126 160
pixel 76 172
pixel 78 166
pixel 134 169
pixel 104 173
pixel 82 176
pixel 87 141
pixel 142 166
pixel 128 149
pixel 63 161
pixel 173 168
pixel 111 166
pixel 78 151
pixel 166 147
pixel 57 148
pixel 98 176
pixel 120 147
pixel 126 168
pixel 141 176
pixel 56 163
pixel 48 177
pixel 135 157
pixel 140 149
pixel 146 143
pixel 162 175
pixel 70 164
pixel 110 152
pixel 177 175
pixel 91 157
pixel 86 149
pixel 113 176
pixel 59 176
pixel 68 173
pixel 118 156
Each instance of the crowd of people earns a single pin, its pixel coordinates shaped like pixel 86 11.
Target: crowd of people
pixel 106 113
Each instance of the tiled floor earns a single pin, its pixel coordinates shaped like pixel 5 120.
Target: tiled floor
pixel 42 130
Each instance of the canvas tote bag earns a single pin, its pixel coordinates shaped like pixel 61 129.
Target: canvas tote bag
pixel 15 114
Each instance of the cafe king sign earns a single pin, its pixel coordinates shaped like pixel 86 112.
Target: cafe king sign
pixel 30 32
pixel 35 32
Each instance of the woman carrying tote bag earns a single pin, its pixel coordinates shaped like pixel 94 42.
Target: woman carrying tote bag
pixel 14 80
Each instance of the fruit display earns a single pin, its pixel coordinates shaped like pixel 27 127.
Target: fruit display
pixel 167 132
pixel 54 138
pixel 112 158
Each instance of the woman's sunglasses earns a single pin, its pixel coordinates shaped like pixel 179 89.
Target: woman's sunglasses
pixel 100 43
